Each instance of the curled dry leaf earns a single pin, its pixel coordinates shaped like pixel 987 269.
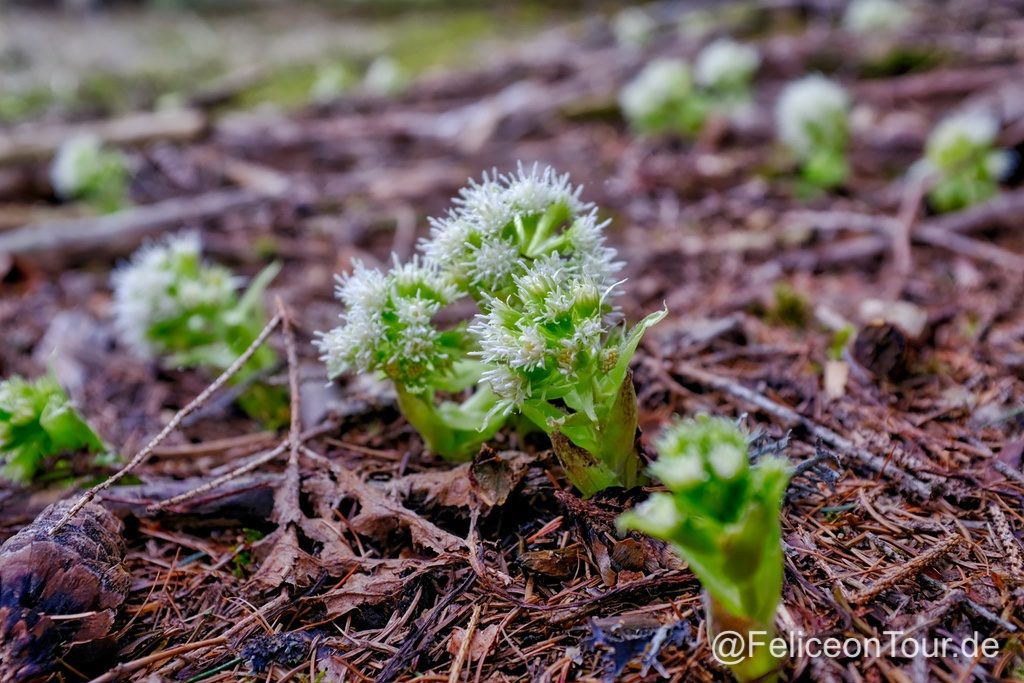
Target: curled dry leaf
pixel 76 573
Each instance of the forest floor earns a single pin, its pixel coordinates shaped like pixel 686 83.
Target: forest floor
pixel 356 556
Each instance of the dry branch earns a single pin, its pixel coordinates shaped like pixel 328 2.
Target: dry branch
pixel 119 233
pixel 33 142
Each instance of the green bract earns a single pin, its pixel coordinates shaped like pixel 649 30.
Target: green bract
pixel 37 421
pixel 545 342
pixel 172 305
pixel 722 516
pixel 83 169
pixel 963 161
pixel 811 116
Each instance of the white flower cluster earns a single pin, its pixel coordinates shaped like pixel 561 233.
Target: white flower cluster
pixel 961 135
pixel 546 336
pixel 633 27
pixel 385 76
pixel 661 83
pixel 78 163
pixel 502 223
pixel 388 323
pixel 532 255
pixel 869 16
pixel 726 64
pixel 166 281
pixel 808 108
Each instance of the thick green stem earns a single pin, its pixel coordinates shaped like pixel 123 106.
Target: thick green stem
pixel 748 653
pixel 453 431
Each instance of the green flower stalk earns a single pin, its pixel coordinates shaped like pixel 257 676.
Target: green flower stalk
pixel 722 516
pixel 171 304
pixel 545 342
pixel 962 160
pixel 811 117
pixel 38 421
pixel 84 170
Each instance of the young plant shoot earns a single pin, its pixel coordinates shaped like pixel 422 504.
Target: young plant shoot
pixel 722 516
pixel 962 160
pixel 37 422
pixel 84 170
pixel 171 304
pixel 544 343
pixel 811 117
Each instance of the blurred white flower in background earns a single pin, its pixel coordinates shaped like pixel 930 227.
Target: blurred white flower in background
pixel 809 108
pixel 868 16
pixel 385 76
pixel 168 281
pixel 658 86
pixel 726 64
pixel 633 27
pixel 84 169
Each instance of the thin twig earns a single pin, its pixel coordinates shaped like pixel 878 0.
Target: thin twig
pixel 128 667
pixel 467 639
pixel 910 568
pixel 221 480
pixel 196 403
pixel 790 417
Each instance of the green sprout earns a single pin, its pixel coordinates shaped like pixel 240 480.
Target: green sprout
pixel 38 421
pixel 722 516
pixel 963 162
pixel 811 117
pixel 545 343
pixel 84 170
pixel 171 304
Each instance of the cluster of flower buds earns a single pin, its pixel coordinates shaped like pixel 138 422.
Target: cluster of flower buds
pixel 83 169
pixel 37 421
pixel 811 117
pixel 545 341
pixel 722 516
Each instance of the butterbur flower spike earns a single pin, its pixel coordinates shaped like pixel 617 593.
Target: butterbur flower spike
pixel 170 304
pixel 721 514
pixel 811 117
pixel 531 254
pixel 962 159
pixel 38 421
